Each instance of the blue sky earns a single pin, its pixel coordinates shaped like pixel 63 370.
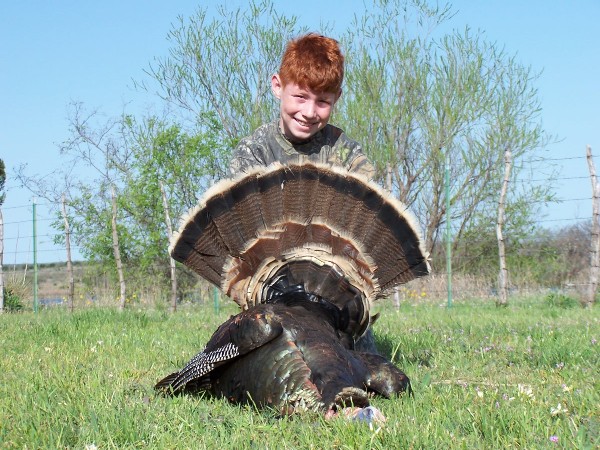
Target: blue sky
pixel 52 53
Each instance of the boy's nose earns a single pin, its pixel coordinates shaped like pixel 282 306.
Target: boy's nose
pixel 309 110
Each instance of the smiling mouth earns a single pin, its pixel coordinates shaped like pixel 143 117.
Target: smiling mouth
pixel 303 124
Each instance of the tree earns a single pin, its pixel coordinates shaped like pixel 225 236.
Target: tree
pixel 503 273
pixel 549 258
pixel 95 148
pixel 185 164
pixel 223 66
pixel 414 98
pixel 71 278
pixel 55 188
pixel 134 157
pixel 116 249
pixel 172 265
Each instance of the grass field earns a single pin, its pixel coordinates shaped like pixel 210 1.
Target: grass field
pixel 521 377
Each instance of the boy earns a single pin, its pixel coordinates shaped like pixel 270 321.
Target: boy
pixel 308 85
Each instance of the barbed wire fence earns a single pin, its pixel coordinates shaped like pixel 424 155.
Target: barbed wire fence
pixel 97 285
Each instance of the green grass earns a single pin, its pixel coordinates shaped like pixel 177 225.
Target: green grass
pixel 483 378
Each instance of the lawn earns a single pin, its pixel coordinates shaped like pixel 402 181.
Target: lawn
pixel 525 376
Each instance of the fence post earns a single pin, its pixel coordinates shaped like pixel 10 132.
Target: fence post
pixel 35 267
pixel 216 299
pixel 448 241
pixel 590 296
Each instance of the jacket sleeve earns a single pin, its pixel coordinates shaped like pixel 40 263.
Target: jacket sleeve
pixel 244 157
pixel 361 164
pixel 354 159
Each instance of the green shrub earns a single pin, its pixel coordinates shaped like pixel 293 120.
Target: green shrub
pixel 12 301
pixel 559 300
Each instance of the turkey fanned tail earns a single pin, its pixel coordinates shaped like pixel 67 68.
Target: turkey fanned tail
pixel 334 233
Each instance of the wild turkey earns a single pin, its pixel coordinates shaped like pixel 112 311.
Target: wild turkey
pixel 304 250
pixel 290 355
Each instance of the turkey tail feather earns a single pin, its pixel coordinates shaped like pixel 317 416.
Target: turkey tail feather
pixel 165 384
pixel 332 231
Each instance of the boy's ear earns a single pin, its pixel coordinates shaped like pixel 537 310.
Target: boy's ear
pixel 276 85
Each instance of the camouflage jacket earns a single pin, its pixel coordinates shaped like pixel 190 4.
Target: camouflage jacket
pixel 329 146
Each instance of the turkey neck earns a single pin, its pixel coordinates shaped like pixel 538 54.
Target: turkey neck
pixel 316 305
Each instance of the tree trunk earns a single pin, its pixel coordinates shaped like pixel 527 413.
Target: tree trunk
pixel 388 177
pixel 116 250
pixel 71 278
pixel 171 260
pixel 1 266
pixel 503 274
pixel 590 295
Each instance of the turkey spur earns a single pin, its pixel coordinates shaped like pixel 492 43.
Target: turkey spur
pixel 293 355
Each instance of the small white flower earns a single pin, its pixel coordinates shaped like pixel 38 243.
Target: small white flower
pixel 526 390
pixel 558 410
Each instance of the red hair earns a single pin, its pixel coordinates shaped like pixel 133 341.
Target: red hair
pixel 313 61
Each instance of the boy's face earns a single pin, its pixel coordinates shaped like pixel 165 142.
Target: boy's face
pixel 303 111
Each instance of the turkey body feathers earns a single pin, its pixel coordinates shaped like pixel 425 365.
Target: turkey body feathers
pixel 290 355
pixel 238 336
